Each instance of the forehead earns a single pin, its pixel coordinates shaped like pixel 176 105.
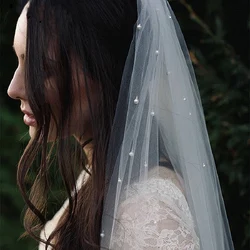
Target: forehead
pixel 19 43
pixel 21 31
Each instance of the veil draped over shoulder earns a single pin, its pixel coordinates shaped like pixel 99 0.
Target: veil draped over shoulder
pixel 163 189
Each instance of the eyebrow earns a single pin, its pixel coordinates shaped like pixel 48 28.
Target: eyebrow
pixel 22 55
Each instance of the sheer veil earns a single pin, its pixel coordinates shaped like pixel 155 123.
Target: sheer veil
pixel 159 121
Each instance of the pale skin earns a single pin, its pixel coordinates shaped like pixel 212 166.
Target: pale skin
pixel 16 90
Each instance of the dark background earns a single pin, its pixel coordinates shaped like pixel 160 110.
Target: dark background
pixel 217 34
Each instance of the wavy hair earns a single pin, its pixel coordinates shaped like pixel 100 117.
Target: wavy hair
pixel 65 38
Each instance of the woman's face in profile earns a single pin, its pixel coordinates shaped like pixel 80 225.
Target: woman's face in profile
pixel 80 116
pixel 16 88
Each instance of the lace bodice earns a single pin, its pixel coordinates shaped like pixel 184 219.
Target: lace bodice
pixel 155 215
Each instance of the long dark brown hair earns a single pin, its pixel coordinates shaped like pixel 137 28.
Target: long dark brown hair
pixel 64 37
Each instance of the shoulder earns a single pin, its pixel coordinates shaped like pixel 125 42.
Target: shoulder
pixel 155 211
pixel 163 189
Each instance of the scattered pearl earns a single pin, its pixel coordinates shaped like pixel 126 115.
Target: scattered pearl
pixel 157 52
pixel 139 26
pixel 136 100
pixel 152 113
pixel 102 234
pixel 119 180
pixel 204 165
pixel 131 154
pixel 184 98
pixel 169 16
pixel 190 113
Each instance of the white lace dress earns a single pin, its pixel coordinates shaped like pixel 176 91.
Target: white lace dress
pixel 154 216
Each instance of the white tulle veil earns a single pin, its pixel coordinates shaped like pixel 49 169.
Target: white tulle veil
pixel 159 118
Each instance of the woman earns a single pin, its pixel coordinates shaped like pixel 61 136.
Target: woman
pixel 115 75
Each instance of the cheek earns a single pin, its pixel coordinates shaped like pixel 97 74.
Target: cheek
pixel 79 120
pixel 52 97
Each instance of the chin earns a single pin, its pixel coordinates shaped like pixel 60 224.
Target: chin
pixel 51 136
pixel 32 131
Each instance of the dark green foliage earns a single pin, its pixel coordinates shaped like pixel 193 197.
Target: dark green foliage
pixel 220 54
pixel 217 35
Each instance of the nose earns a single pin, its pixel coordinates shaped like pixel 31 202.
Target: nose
pixel 16 89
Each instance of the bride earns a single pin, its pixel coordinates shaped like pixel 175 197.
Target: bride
pixel 114 78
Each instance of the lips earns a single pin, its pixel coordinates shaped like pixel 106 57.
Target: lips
pixel 29 118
